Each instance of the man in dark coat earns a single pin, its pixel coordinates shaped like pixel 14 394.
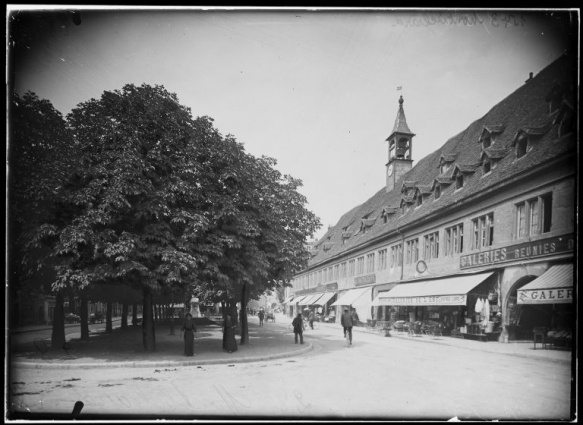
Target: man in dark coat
pixel 261 316
pixel 298 324
pixel 346 322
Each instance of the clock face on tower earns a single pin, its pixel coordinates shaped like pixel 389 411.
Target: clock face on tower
pixel 390 170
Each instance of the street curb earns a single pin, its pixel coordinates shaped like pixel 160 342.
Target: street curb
pixel 167 363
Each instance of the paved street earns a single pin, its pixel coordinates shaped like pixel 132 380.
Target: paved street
pixel 380 378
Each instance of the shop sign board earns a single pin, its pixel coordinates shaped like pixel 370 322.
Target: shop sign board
pixel 545 296
pixel 425 301
pixel 365 280
pixel 527 250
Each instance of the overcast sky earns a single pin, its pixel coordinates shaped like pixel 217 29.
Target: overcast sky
pixel 314 89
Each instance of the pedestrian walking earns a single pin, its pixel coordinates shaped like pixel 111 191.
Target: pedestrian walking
pixel 261 316
pixel 346 322
pixel 229 343
pixel 311 319
pixel 188 330
pixel 298 324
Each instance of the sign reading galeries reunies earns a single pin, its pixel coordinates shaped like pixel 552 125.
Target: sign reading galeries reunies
pixel 523 251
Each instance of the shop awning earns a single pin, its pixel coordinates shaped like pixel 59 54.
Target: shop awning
pixel 448 291
pixel 288 299
pixel 555 286
pixel 351 296
pixel 300 299
pixel 326 296
pixel 311 298
pixel 362 305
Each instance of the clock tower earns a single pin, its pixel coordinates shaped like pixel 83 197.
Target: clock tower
pixel 400 147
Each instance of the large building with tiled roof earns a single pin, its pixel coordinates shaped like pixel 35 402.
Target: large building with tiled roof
pixel 468 237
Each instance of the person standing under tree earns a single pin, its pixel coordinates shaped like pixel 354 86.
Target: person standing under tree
pixel 229 342
pixel 188 330
pixel 346 322
pixel 261 316
pixel 298 324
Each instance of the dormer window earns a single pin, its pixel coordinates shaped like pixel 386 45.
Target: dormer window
pixel 486 140
pixel 445 162
pixel 419 200
pixel 437 191
pixel 459 181
pixel 521 145
pixel 487 167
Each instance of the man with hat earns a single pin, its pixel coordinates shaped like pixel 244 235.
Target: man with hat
pixel 347 323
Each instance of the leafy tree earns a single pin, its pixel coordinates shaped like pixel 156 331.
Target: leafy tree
pixel 161 202
pixel 39 162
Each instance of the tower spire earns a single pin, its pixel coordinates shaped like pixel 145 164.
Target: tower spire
pixel 401 122
pixel 400 149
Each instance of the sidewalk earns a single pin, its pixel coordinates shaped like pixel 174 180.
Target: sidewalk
pixel 123 348
pixel 518 348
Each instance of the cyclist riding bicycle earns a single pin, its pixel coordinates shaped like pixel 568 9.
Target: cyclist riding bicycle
pixel 347 323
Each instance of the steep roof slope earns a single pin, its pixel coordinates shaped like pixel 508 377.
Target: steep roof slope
pixel 525 110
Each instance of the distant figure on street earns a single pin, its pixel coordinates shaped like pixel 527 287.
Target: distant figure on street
pixel 354 317
pixel 229 343
pixel 188 329
pixel 298 324
pixel 311 319
pixel 346 322
pixel 261 317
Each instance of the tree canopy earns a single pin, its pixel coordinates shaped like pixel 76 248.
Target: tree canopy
pixel 153 198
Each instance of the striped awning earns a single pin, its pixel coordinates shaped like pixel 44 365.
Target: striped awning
pixel 288 299
pixel 300 299
pixel 555 286
pixel 326 296
pixel 309 300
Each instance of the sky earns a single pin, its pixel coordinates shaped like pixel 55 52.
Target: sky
pixel 316 89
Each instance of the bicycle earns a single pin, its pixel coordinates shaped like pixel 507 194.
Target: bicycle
pixel 347 337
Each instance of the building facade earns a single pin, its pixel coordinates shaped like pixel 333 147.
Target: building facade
pixel 478 236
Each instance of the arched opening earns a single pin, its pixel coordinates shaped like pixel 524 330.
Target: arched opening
pixel 522 318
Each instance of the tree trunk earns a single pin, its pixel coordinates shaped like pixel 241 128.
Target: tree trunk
pixel 124 315
pixel 135 314
pixel 58 335
pixel 244 324
pixel 108 318
pixel 148 334
pixel 84 318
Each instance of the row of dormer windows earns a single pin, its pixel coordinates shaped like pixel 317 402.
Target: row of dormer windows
pixel 533 216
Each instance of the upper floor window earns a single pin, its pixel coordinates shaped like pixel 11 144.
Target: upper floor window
pixel 330 276
pixel 483 231
pixel 534 216
pixel 431 248
pixel 351 265
pixel 336 270
pixel 343 270
pixel 382 259
pixel 319 276
pixel 370 263
pixel 454 239
pixel 412 252
pixel 396 255
pixel 360 266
